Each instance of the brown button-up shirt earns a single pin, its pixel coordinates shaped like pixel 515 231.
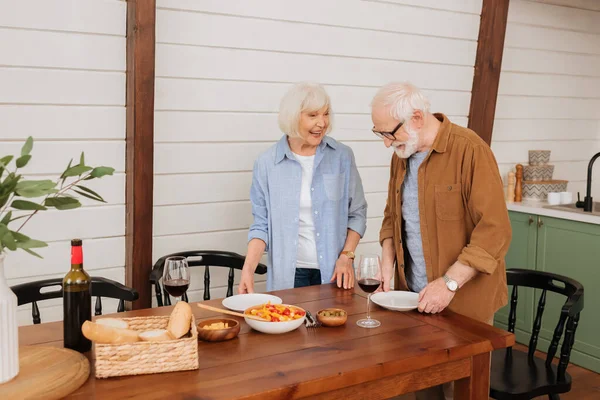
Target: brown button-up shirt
pixel 463 217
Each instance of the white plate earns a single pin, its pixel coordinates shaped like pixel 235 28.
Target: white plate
pixel 240 302
pixel 396 300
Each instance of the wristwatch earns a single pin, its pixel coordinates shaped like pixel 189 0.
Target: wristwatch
pixel 349 254
pixel 451 284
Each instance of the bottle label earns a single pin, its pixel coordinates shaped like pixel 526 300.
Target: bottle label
pixel 76 255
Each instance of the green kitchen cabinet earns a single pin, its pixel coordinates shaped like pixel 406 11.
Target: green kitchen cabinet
pixel 563 247
pixel 521 254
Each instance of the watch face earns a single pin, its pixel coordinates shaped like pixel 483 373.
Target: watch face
pixel 452 285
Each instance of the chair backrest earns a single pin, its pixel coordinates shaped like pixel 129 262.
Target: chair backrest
pixel 206 258
pixel 546 281
pixel 32 292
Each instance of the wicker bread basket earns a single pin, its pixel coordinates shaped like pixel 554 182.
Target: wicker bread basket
pixel 147 357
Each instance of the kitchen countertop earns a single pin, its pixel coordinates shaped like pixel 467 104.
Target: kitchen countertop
pixel 539 208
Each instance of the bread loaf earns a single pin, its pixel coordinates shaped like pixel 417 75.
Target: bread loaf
pixel 180 320
pixel 158 335
pixel 105 334
pixel 114 322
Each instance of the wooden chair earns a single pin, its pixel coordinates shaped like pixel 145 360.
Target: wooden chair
pixel 206 258
pixel 519 375
pixel 32 292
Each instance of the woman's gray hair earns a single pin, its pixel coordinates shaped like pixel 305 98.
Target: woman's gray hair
pixel 402 99
pixel 302 97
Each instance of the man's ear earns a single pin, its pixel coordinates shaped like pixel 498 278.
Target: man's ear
pixel 418 119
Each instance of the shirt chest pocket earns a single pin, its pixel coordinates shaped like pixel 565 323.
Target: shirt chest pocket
pixel 334 186
pixel 448 202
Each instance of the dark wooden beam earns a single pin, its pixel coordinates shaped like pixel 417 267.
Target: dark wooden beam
pixel 488 62
pixel 141 17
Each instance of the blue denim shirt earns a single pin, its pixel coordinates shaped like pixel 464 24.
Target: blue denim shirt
pixel 338 203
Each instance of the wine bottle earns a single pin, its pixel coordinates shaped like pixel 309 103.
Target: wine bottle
pixel 77 301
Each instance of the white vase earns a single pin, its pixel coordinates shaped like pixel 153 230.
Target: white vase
pixel 9 339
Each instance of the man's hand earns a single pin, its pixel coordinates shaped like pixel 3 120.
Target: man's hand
pixel 387 272
pixel 343 273
pixel 435 297
pixel 246 282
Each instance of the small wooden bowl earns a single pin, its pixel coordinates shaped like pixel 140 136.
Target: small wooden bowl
pixel 218 335
pixel 332 320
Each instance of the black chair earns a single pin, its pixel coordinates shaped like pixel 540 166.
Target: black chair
pixel 31 292
pixel 519 375
pixel 196 258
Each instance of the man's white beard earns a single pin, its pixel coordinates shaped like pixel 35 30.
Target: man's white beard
pixel 410 146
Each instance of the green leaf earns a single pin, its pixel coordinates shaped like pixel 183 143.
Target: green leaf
pixel 62 203
pixel 89 193
pixel 25 242
pixel 82 159
pixel 6 218
pixel 33 253
pixel 35 188
pixel 27 205
pixel 8 240
pixel 26 149
pixel 99 172
pixel 6 160
pixel 77 170
pixel 23 160
pixel 3 230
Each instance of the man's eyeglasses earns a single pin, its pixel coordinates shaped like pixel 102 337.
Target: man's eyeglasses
pixel 388 135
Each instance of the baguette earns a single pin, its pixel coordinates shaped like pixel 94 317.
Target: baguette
pixel 114 322
pixel 104 334
pixel 180 320
pixel 158 335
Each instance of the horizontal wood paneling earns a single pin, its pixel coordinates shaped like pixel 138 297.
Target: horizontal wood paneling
pixel 465 6
pixel 101 17
pixel 546 107
pixel 549 62
pixel 516 130
pixel 253 65
pixel 579 4
pixel 35 86
pixel 207 126
pixel 62 122
pixel 53 157
pixel 194 218
pixel 185 94
pixel 224 31
pixel 98 254
pixel 541 38
pixel 548 15
pixel 61 50
pixel 561 151
pixel 516 83
pixel 356 15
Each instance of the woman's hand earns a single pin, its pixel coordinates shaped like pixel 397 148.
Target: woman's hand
pixel 343 273
pixel 246 282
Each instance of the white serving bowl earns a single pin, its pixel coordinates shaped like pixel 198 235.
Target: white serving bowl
pixel 274 327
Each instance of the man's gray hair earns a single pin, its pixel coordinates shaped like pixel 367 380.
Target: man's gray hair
pixel 402 99
pixel 302 97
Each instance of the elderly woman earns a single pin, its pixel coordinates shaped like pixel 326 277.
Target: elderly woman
pixel 307 200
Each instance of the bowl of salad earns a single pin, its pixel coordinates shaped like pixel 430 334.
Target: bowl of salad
pixel 279 318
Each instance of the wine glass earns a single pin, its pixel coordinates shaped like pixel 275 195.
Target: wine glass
pixel 176 276
pixel 368 274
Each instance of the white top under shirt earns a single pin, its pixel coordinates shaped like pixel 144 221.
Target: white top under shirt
pixel 307 245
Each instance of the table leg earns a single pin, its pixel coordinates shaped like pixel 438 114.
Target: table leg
pixel 476 386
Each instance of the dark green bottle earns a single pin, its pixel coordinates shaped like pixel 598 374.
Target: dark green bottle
pixel 77 301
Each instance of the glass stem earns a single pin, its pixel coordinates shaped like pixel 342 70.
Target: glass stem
pixel 368 306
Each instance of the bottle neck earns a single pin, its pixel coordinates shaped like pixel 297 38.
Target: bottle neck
pixel 76 258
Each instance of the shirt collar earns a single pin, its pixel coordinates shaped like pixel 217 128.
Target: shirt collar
pixel 283 148
pixel 441 141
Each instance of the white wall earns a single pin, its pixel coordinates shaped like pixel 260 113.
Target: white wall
pixel 62 80
pixel 549 94
pixel 222 67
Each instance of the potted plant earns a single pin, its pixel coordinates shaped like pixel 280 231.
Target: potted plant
pixel 20 200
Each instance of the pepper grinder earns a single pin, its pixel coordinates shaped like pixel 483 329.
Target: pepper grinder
pixel 519 184
pixel 510 193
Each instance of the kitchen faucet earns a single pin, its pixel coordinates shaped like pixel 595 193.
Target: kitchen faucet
pixel 587 203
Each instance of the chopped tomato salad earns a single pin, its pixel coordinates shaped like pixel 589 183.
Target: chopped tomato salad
pixel 277 312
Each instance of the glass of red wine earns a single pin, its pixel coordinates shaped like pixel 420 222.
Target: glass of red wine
pixel 368 274
pixel 176 276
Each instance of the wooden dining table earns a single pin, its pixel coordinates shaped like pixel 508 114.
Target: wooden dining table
pixel 408 352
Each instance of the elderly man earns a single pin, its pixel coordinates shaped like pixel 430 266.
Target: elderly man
pixel 445 223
